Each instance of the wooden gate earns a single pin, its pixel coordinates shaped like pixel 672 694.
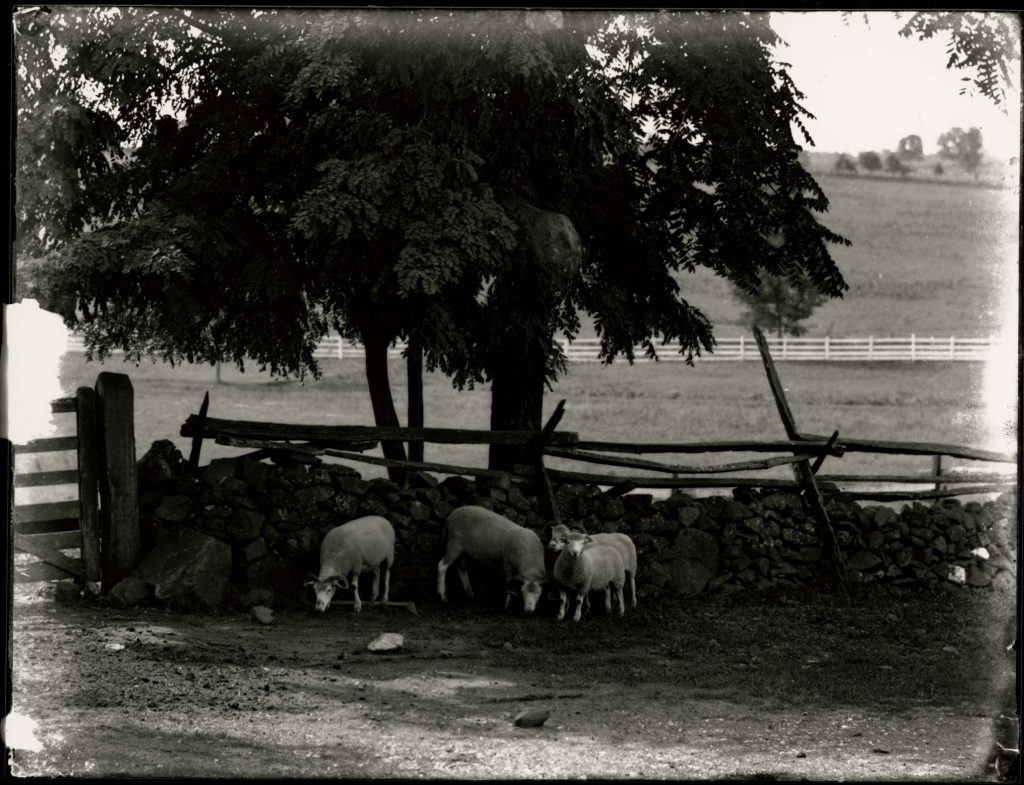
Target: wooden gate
pixel 56 497
pixel 78 490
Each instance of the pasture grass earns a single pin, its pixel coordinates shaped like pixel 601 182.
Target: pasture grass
pixel 927 401
pixel 926 258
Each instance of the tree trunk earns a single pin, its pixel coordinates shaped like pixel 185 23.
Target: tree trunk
pixel 414 373
pixel 517 398
pixel 384 413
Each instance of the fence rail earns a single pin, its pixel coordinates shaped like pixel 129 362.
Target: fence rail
pixel 912 348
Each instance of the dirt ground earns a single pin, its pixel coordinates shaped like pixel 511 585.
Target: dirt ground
pixel 803 686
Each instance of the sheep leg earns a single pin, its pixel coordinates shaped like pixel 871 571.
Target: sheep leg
pixel 464 577
pixel 562 596
pixel 632 590
pixel 375 585
pixel 442 571
pixel 357 604
pixel 581 595
pixel 387 580
pixel 608 599
pixel 622 600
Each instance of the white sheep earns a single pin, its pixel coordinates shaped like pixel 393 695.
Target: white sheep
pixel 359 546
pixel 621 542
pixel 486 537
pixel 584 569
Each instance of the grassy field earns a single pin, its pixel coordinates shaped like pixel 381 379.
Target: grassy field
pixel 927 258
pixel 940 402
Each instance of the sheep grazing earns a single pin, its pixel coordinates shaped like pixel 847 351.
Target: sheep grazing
pixel 583 569
pixel 486 537
pixel 359 546
pixel 620 542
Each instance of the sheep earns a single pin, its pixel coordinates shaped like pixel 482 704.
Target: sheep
pixel 584 569
pixel 621 542
pixel 347 551
pixel 486 537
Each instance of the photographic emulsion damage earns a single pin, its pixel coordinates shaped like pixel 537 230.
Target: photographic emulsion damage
pixel 514 393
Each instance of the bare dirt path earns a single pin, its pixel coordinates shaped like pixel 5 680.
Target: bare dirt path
pixel 718 688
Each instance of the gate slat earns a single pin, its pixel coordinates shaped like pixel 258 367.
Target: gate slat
pixel 47 511
pixel 49 555
pixel 52 444
pixel 35 479
pixel 57 540
pixel 40 571
pixel 47 526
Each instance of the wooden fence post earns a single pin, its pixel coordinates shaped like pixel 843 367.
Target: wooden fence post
pixel 88 482
pixel 937 470
pixel 546 491
pixel 118 481
pixel 803 470
pixel 197 439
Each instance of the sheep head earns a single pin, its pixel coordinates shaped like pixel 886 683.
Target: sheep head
pixel 325 589
pixel 576 541
pixel 558 535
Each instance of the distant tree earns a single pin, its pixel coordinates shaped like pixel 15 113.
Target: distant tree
pixel 939 171
pixel 896 166
pixel 962 146
pixel 845 164
pixel 870 161
pixel 910 148
pixel 780 303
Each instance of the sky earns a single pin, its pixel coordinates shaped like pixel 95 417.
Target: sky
pixel 868 87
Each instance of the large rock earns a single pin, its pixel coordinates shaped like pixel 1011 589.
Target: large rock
pixel 188 570
pixel 161 471
pixel 129 592
pixel 695 561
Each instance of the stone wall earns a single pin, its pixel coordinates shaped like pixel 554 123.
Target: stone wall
pixel 273 517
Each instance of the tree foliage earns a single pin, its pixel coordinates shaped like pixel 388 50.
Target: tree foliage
pixel 870 161
pixel 894 164
pixel 845 164
pixel 983 44
pixel 910 148
pixel 781 304
pixel 215 184
pixel 962 146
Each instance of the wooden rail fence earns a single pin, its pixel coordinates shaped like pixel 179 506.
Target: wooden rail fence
pixel 76 490
pixel 804 453
pixel 912 348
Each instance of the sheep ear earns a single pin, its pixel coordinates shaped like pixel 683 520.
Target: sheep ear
pixel 309 582
pixel 338 581
pixel 587 538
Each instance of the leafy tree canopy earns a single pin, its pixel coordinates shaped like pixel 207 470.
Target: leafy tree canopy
pixel 910 148
pixel 219 184
pixel 983 44
pixel 962 146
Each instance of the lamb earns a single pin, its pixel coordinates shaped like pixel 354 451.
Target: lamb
pixel 621 542
pixel 584 569
pixel 486 537
pixel 347 551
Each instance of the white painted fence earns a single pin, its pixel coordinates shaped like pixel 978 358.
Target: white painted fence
pixel 870 349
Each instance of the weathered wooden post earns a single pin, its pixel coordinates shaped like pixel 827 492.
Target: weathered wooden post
pixel 118 481
pixel 547 493
pixel 88 482
pixel 197 437
pixel 811 494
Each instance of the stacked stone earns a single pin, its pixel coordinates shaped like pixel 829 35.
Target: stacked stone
pixel 272 519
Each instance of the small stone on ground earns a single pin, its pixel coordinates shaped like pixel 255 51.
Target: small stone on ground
pixel 386 642
pixel 262 614
pixel 532 718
